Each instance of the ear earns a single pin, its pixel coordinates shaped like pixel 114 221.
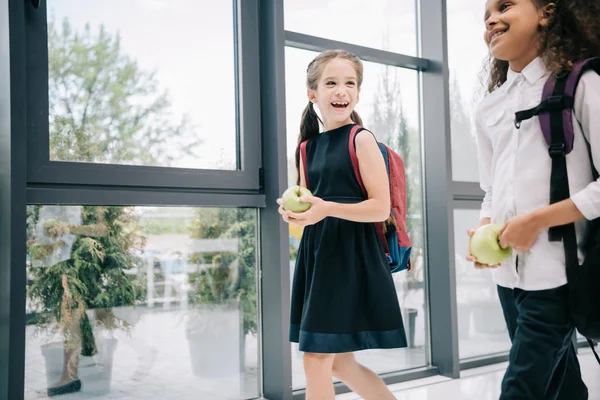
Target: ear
pixel 546 14
pixel 312 95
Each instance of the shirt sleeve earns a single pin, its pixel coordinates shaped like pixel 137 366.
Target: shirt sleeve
pixel 587 112
pixel 484 157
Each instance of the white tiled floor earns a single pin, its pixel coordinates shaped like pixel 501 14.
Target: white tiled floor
pixel 479 383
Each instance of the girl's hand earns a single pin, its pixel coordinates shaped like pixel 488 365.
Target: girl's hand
pixel 520 232
pixel 472 259
pixel 283 212
pixel 318 210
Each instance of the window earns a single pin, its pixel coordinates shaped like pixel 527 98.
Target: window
pixel 389 108
pixel 466 54
pixel 145 96
pixel 481 327
pixel 125 88
pixel 382 24
pixel 153 302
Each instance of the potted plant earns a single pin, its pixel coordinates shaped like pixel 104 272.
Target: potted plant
pixel 222 295
pixel 77 263
pixel 413 282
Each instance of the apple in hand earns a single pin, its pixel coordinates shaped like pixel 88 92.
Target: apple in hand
pixel 291 199
pixel 485 245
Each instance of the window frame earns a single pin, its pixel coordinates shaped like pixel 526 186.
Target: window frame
pixel 42 170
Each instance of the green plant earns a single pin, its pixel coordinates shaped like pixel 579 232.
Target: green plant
pixel 92 277
pixel 232 275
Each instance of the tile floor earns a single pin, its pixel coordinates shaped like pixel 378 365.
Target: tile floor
pixel 479 383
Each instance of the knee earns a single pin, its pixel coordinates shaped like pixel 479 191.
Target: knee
pixel 318 361
pixel 344 366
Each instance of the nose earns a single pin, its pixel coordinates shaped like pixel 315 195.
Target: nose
pixel 339 91
pixel 491 21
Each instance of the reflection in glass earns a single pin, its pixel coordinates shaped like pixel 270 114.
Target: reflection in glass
pixel 466 54
pixel 125 87
pixel 481 327
pixel 389 107
pixel 141 302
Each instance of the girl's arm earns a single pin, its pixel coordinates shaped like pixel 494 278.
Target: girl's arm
pixel 586 203
pixel 523 230
pixel 301 172
pixel 375 178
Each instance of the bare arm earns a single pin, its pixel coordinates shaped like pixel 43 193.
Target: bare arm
pixel 301 172
pixel 561 213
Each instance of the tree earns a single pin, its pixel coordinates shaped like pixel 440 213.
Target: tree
pixel 103 107
pixel 78 258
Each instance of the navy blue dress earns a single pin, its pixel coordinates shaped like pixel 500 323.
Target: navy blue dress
pixel 343 295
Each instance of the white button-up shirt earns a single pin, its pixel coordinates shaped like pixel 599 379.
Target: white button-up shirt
pixel 514 169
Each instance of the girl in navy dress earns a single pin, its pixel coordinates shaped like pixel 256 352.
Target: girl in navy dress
pixel 343 295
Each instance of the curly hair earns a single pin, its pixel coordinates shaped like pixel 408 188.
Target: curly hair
pixel 572 34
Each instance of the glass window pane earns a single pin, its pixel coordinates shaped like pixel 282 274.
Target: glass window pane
pixel 382 24
pixel 143 83
pixel 141 302
pixel 481 327
pixel 389 107
pixel 466 55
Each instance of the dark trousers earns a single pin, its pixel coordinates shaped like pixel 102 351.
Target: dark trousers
pixel 542 364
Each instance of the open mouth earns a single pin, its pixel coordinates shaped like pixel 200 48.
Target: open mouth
pixel 496 34
pixel 340 105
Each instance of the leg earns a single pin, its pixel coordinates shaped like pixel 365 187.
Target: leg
pixel 318 369
pixel 360 379
pixel 541 340
pixel 569 384
pixel 509 309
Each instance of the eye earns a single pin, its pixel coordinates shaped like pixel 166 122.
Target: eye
pixel 351 83
pixel 504 6
pixel 330 83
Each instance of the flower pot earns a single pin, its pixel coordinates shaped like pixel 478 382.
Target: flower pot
pixel 94 372
pixel 410 319
pixel 215 339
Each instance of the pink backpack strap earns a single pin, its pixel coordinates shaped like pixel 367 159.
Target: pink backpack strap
pixel 303 158
pixel 354 158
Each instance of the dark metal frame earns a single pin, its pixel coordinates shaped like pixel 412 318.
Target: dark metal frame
pixel 42 170
pixel 12 200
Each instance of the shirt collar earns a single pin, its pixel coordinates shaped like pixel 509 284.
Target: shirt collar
pixel 533 72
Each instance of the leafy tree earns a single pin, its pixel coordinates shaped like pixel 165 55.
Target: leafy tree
pixel 93 276
pixel 103 107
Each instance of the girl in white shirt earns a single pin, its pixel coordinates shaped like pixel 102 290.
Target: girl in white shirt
pixel 528 40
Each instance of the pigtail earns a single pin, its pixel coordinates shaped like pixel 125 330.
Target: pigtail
pixel 309 128
pixel 356 118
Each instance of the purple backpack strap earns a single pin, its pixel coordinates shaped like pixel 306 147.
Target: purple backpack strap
pixel 570 86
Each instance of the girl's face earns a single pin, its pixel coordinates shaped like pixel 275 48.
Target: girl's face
pixel 336 94
pixel 512 30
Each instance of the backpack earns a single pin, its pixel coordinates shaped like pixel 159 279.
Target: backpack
pixel 392 232
pixel 554 110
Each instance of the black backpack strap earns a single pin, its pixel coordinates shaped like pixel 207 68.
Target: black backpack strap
pixel 594 350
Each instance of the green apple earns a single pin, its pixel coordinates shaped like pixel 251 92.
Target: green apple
pixel 485 245
pixel 291 199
